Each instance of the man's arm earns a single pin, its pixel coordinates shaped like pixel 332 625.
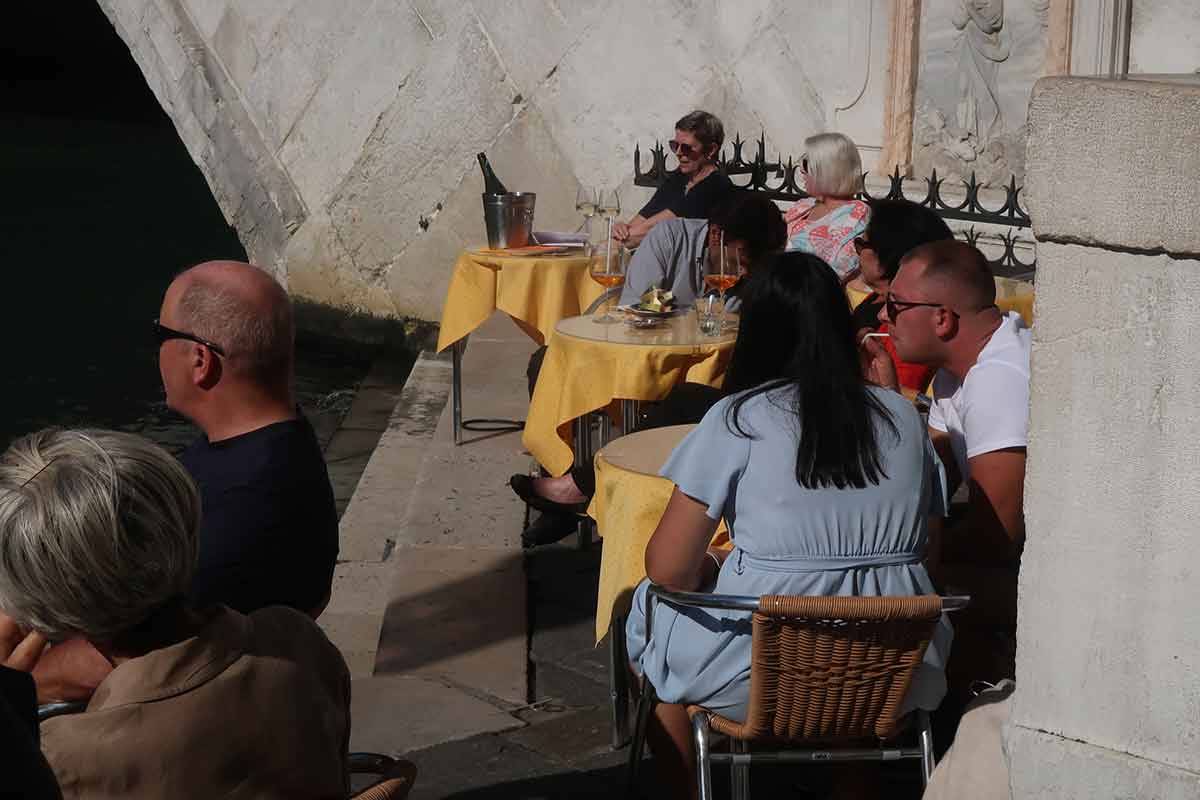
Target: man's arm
pixel 994 527
pixel 638 227
pixel 648 267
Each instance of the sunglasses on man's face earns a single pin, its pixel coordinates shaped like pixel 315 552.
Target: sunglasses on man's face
pixel 164 334
pixel 684 149
pixel 894 307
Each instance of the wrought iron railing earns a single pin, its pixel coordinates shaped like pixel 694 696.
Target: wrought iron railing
pixel 779 181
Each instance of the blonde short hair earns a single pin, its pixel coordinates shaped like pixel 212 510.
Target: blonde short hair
pixel 834 166
pixel 98 529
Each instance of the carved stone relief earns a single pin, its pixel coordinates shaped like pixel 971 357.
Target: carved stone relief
pixel 979 60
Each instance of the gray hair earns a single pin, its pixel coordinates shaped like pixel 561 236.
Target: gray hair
pixel 706 127
pixel 834 166
pixel 257 341
pixel 98 529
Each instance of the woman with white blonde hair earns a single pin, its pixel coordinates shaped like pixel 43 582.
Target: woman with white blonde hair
pixel 98 540
pixel 827 221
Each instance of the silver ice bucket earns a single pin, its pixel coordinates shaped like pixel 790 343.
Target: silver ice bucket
pixel 509 218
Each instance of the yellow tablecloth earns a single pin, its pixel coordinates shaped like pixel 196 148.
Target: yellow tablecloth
pixel 535 291
pixel 588 365
pixel 629 501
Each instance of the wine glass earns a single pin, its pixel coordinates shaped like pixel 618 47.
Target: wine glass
pixel 609 272
pixel 585 203
pixel 721 273
pixel 608 205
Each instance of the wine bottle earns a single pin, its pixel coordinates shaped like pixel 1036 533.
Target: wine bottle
pixel 491 184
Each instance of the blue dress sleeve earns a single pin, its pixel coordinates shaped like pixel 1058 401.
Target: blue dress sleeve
pixel 708 464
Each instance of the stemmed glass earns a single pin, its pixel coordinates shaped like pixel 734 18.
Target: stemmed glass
pixel 720 275
pixel 609 274
pixel 608 205
pixel 585 203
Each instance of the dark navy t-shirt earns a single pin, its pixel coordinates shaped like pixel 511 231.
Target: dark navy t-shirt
pixel 269 528
pixel 695 204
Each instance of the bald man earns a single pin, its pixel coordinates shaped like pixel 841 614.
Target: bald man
pixel 942 312
pixel 269 530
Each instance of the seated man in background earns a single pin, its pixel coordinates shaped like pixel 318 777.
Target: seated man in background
pixel 941 311
pixel 269 530
pixel 674 254
pixel 101 546
pixel 690 192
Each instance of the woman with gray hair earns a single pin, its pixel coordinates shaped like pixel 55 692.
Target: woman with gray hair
pixel 827 221
pixel 98 540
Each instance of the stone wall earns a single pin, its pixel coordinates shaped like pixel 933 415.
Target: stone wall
pixel 1108 657
pixel 339 138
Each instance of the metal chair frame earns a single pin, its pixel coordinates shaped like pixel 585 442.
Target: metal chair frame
pixel 739 756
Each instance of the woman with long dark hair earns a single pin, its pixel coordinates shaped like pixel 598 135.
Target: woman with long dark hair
pixel 825 483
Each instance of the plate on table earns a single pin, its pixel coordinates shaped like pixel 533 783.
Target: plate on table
pixel 523 252
pixel 560 238
pixel 638 310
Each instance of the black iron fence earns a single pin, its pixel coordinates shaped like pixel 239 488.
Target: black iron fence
pixel 779 181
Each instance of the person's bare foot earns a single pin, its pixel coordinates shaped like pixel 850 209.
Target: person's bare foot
pixel 560 490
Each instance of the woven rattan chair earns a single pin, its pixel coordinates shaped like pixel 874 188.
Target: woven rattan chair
pixel 827 679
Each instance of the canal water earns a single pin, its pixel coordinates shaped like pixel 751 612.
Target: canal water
pixel 100 206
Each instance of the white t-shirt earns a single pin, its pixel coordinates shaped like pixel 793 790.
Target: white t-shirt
pixel 989 410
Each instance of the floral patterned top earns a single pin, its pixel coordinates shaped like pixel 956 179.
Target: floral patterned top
pixel 832 236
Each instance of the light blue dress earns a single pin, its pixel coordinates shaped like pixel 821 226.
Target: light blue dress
pixel 789 540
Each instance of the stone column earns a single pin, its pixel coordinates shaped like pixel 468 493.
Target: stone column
pixel 1108 650
pixel 900 99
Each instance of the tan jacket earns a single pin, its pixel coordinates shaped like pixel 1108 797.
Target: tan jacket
pixel 254 706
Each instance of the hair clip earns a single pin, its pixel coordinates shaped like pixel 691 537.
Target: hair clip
pixel 39 472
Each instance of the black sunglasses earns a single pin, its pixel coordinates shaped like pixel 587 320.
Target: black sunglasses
pixel 163 334
pixel 894 307
pixel 684 149
pixel 860 244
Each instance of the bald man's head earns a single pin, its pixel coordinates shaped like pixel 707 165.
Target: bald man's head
pixel 241 308
pixel 954 273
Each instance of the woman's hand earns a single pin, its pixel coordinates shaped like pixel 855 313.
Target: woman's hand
pixel 713 560
pixel 878 367
pixel 620 232
pixel 19 649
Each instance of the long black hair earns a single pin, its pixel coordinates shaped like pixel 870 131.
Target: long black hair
pixel 796 332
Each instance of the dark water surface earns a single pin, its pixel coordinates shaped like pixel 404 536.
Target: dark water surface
pixel 100 206
pixel 98 217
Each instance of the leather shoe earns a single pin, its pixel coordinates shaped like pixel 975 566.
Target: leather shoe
pixel 549 528
pixel 523 486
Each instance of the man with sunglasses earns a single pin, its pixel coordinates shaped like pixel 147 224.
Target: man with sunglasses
pixel 269 531
pixel 941 311
pixel 694 189
pixel 269 527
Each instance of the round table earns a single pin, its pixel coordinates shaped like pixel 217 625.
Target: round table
pixel 629 501
pixel 588 365
pixel 536 291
